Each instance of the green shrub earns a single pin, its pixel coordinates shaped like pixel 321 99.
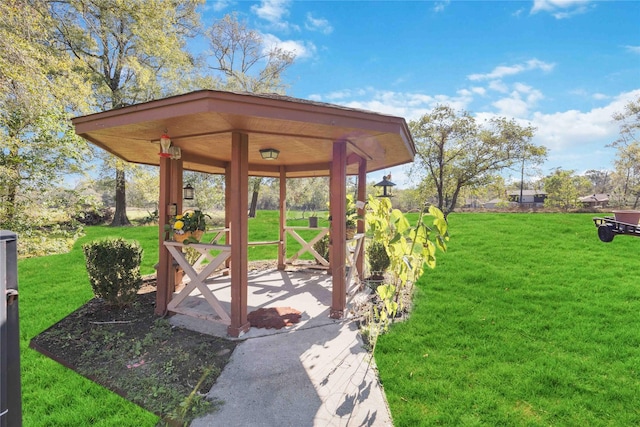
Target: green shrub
pixel 322 246
pixel 378 259
pixel 114 269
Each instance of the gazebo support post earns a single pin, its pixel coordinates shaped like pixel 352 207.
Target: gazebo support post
pixel 362 196
pixel 338 187
pixel 170 186
pixel 239 233
pixel 282 246
pixel 227 209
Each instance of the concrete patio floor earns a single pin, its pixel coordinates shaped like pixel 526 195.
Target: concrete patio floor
pixel 314 373
pixel 305 289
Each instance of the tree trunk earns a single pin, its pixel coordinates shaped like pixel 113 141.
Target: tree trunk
pixel 120 216
pixel 254 204
pixel 13 171
pixel 255 186
pixel 10 205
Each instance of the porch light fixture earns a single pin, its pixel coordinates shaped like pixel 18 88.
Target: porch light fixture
pixel 165 143
pixel 269 153
pixel 188 192
pixel 386 185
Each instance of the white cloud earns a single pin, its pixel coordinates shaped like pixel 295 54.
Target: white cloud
pixel 510 70
pixel 411 106
pixel 318 24
pixel 571 130
pixel 512 107
pixel 301 49
pixel 633 49
pixel 561 9
pixel 220 5
pixel 498 86
pixel 571 136
pixel 518 103
pixel 439 6
pixel 600 96
pixel 274 12
pixel 271 10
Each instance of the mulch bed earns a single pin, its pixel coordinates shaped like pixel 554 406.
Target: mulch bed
pixel 139 356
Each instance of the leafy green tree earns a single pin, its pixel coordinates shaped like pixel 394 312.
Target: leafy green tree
pixel 125 48
pixel 627 162
pixel 600 180
pixel 563 188
pixel 308 194
pixel 209 190
pixel 143 188
pixel 38 91
pixel 454 151
pixel 627 175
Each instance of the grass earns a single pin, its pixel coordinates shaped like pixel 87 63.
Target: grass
pixel 53 286
pixel 528 320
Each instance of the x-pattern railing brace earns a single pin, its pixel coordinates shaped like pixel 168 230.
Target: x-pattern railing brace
pixel 198 279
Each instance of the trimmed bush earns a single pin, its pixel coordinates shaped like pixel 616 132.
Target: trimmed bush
pixel 378 259
pixel 114 270
pixel 322 246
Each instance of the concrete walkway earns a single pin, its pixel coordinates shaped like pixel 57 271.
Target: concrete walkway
pixel 316 373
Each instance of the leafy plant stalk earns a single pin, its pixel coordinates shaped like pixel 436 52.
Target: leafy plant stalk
pixel 409 249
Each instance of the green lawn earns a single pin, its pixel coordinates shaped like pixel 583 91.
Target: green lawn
pixel 51 287
pixel 528 320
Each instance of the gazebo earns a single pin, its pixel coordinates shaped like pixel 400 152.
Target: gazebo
pixel 224 133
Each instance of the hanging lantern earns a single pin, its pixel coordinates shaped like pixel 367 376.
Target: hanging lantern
pixel 188 192
pixel 386 185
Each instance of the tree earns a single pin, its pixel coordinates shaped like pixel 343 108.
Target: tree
pixel 308 194
pixel 143 188
pixel 244 60
pixel 563 188
pixel 600 180
pixel 629 122
pixel 627 162
pixel 254 184
pixel 454 152
pixel 38 92
pixel 124 48
pixel 627 174
pixel 209 190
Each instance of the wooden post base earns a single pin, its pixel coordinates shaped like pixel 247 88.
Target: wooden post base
pixel 236 332
pixel 336 313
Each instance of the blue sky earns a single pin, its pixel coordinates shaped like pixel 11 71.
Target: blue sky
pixel 564 67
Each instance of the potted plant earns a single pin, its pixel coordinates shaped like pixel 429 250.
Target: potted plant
pixel 352 218
pixel 188 227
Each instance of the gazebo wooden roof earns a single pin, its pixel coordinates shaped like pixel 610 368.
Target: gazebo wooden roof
pixel 223 133
pixel 201 122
